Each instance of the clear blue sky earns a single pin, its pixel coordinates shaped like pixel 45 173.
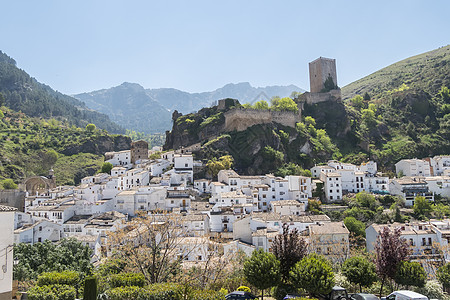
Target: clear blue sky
pixel 84 45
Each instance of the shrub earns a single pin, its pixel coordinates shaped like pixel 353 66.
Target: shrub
pixel 164 291
pixel 52 292
pixel 127 279
pixel 244 289
pixel 70 278
pixel 206 295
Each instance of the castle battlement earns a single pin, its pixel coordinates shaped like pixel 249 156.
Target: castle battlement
pixel 242 118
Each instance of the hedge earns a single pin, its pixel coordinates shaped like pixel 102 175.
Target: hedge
pixel 52 292
pixel 71 278
pixel 127 279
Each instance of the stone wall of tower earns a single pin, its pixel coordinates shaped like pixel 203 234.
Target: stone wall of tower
pixel 139 150
pixel 319 70
pixel 240 119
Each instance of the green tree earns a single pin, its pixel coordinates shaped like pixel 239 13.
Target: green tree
pixel 310 121
pixel 214 165
pixel 354 226
pixel 443 275
pixel 368 118
pixel 8 184
pixel 284 104
pixel 262 270
pixel 444 93
pixel 314 274
pixel 106 167
pixel 357 102
pixel 90 288
pixel 366 96
pixel 364 199
pixel 329 85
pixel 263 105
pixel 2 99
pixel 359 270
pixel 91 127
pixel 422 207
pixel 410 273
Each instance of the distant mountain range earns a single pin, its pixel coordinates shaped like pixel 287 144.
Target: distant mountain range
pixel 150 110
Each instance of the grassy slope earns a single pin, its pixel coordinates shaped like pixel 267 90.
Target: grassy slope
pixel 427 72
pixel 27 143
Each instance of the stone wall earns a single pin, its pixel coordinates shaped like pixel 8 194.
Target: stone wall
pixel 14 198
pixel 240 119
pixel 313 98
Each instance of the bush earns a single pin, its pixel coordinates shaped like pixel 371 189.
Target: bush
pixel 206 295
pixel 244 288
pixel 52 292
pixel 158 291
pixel 70 278
pixel 127 279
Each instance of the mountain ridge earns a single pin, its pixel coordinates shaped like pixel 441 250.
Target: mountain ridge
pixel 157 105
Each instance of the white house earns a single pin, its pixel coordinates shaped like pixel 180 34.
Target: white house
pixel 439 185
pixel 330 239
pixel 184 164
pixel 38 232
pixel 288 207
pixel 6 251
pixel 332 186
pixel 120 158
pixel 413 167
pixel 440 164
pixel 409 188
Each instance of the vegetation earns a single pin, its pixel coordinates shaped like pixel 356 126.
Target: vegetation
pixel 410 273
pixel 360 270
pixel 215 165
pixel 314 274
pixel 68 255
pixel 390 250
pixel 289 248
pixel 90 288
pixel 106 168
pixel 25 94
pixel 262 270
pixel 32 146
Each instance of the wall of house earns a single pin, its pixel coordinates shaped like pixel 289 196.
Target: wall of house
pixel 6 253
pixel 14 198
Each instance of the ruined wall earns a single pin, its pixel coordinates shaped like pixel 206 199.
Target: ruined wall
pixel 240 119
pixel 14 198
pixel 313 98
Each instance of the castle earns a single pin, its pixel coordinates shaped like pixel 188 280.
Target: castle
pixel 322 76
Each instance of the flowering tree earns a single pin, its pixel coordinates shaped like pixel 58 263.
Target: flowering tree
pixel 289 248
pixel 390 250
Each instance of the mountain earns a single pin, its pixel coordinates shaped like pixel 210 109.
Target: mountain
pixel 185 102
pixel 129 105
pixel 152 108
pixel 24 93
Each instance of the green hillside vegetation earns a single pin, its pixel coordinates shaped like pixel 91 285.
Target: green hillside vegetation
pixel 31 146
pixel 24 93
pixel 403 110
pixel 259 149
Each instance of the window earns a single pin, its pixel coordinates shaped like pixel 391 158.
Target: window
pixel 429 241
pixel 331 191
pixel 331 197
pixel 424 242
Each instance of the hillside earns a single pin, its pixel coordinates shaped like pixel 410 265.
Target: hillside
pixel 259 149
pixel 24 93
pixel 31 146
pixel 405 111
pixel 151 108
pixel 427 72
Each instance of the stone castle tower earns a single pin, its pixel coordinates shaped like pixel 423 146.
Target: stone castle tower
pixel 319 70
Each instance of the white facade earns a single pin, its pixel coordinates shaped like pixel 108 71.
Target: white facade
pixel 332 186
pixel 6 251
pixel 38 232
pixel 440 164
pixel 413 167
pixel 120 158
pixel 409 188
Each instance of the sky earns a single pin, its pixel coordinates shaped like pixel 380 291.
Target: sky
pixel 78 46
